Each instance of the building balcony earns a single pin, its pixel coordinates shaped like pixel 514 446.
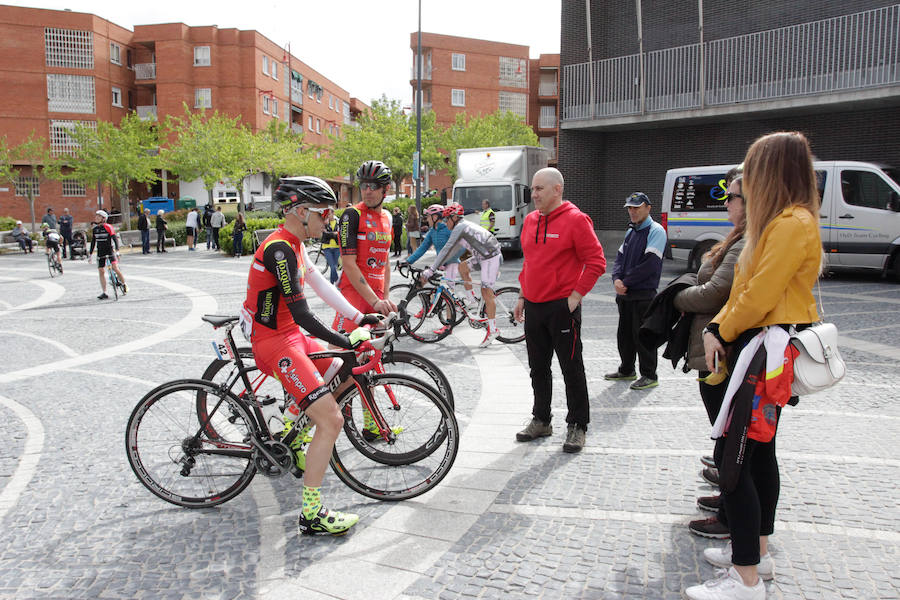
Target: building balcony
pixel 852 58
pixel 548 90
pixel 547 122
pixel 146 113
pixel 144 71
pixel 426 73
pixel 296 127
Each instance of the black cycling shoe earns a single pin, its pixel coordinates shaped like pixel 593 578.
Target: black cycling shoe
pixel 102 296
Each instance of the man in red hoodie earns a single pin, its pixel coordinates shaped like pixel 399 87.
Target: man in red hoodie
pixel 563 260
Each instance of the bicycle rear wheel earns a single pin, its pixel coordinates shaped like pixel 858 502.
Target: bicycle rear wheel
pixel 511 331
pixel 427 324
pixel 113 281
pixel 50 267
pixel 172 454
pixel 402 362
pixel 424 443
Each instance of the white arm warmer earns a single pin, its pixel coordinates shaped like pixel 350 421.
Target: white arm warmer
pixel 327 292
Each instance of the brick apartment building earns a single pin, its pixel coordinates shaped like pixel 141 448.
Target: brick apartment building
pixel 479 77
pixel 62 67
pixel 828 68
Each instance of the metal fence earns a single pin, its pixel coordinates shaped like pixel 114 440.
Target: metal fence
pixel 850 52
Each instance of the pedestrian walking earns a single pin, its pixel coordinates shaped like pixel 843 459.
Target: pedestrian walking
pixel 66 229
pixel 557 239
pixel 161 226
pixel 772 290
pixel 207 224
pixel 144 228
pixel 192 228
pixel 237 240
pixel 635 276
pixel 216 222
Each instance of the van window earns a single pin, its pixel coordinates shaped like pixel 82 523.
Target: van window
pixel 499 196
pixel 705 193
pixel 864 188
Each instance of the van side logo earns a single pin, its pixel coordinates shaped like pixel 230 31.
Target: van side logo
pixel 485 167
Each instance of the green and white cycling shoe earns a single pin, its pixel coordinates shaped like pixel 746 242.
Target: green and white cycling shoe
pixel 329 522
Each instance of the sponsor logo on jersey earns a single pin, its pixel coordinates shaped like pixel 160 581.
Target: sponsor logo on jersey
pixel 284 365
pixel 378 236
pixel 552 235
pixel 267 308
pixel 378 249
pixel 372 262
pixel 282 275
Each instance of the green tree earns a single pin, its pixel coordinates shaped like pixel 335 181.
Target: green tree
pixel 209 147
pixel 113 154
pixel 282 153
pixel 388 135
pixel 33 151
pixel 502 128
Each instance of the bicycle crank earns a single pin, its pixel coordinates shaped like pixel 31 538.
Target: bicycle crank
pixel 272 458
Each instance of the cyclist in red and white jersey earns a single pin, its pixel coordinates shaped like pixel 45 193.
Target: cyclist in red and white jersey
pixel 275 305
pixel 105 240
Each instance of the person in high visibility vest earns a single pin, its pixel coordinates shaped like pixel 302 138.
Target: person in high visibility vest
pixel 488 217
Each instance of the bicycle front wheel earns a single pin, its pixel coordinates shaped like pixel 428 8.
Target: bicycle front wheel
pixel 50 267
pixel 511 331
pixel 423 446
pixel 414 365
pixel 173 455
pixel 427 319
pixel 113 281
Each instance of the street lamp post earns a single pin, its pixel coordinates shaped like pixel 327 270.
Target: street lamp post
pixel 418 157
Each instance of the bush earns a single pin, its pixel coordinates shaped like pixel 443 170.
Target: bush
pixel 7 223
pixel 226 234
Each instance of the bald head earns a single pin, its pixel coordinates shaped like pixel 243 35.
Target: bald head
pixel 551 176
pixel 546 190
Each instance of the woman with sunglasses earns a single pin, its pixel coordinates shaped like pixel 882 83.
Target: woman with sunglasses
pixel 275 305
pixel 704 300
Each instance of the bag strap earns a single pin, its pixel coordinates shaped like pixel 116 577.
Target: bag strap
pixel 821 304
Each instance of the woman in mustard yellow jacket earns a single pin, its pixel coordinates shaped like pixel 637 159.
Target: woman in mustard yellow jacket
pixel 773 282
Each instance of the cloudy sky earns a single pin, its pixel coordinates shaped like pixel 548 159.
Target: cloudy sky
pixel 362 45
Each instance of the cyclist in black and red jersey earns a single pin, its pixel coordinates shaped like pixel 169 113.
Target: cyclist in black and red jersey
pixel 104 238
pixel 274 307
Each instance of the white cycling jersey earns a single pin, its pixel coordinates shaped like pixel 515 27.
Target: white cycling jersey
pixel 478 240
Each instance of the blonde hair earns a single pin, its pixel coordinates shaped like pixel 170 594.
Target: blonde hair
pixel 778 173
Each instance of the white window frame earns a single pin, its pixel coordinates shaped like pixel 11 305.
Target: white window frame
pixel 115 53
pixel 265 105
pixel 24 182
pixel 71 93
pixel 265 65
pixel 458 62
pixel 116 96
pixel 274 69
pixel 73 188
pixel 514 102
pixel 513 72
pixel 457 97
pixel 202 56
pixel 310 123
pixel 274 107
pixel 199 96
pixel 318 125
pixel 330 101
pixel 69 48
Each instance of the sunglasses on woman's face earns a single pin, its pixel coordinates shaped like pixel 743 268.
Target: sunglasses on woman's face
pixel 370 186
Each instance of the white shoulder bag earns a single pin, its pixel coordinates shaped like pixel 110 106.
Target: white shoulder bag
pixel 819 364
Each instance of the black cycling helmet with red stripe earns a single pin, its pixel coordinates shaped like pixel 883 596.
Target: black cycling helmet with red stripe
pixel 374 171
pixel 304 190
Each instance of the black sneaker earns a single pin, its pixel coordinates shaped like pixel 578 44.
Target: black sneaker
pixel 709 528
pixel 644 383
pixel 102 296
pixel 708 461
pixel 617 376
pixel 710 503
pixel 710 475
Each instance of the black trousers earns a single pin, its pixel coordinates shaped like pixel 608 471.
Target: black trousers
pixel 712 396
pixel 160 240
pixel 396 242
pixel 66 243
pixel 549 328
pixel 630 314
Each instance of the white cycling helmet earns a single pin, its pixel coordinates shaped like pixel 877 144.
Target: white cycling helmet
pixel 103 214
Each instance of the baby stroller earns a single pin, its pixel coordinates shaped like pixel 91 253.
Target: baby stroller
pixel 78 248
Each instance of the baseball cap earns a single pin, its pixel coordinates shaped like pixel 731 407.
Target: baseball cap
pixel 637 199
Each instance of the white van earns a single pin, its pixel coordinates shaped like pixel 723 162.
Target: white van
pixel 860 213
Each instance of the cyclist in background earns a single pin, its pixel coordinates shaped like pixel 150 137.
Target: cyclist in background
pixel 104 238
pixel 486 254
pixel 51 241
pixel 275 305
pixel 365 237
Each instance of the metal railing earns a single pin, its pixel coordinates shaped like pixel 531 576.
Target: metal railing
pixel 547 122
pixel 147 112
pixel 426 72
pixel 145 71
pixel 851 52
pixel 547 89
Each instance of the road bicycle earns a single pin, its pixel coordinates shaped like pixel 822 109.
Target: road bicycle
pixel 314 248
pixel 198 462
pixel 53 264
pixel 429 312
pixel 114 280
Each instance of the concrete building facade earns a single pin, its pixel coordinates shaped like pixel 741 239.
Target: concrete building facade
pixel 687 96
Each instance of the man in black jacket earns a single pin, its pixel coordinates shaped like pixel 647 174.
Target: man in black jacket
pixel 144 228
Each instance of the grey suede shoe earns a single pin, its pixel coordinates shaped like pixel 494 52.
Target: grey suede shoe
pixel 534 430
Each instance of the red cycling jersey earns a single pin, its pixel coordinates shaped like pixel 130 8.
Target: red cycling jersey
pixel 365 235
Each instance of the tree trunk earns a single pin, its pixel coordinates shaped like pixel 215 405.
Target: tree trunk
pixel 126 208
pixel 31 207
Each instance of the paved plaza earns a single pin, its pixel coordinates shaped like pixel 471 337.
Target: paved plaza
pixel 510 521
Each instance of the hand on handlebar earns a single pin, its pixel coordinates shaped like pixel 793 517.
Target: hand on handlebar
pixel 371 319
pixel 384 306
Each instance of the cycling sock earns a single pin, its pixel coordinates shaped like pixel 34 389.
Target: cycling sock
pixel 368 421
pixel 473 296
pixel 492 324
pixel 312 501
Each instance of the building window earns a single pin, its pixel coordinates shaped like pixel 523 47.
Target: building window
pixel 265 105
pixel 115 53
pixel 60 140
pixel 26 183
pixel 458 62
pixel 347 118
pixel 330 101
pixel 274 70
pixel 69 48
pixel 550 144
pixel 70 93
pixel 296 86
pixel 548 117
pixel 457 97
pixel 71 187
pixel 266 65
pixel 117 97
pixel 513 72
pixel 201 56
pixel 515 103
pixel 310 124
pixel 318 125
pixel 274 107
pixel 203 98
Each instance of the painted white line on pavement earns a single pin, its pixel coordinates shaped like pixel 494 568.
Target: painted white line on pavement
pixel 62 347
pixel 201 303
pixel 271 529
pixel 881 350
pixel 593 514
pixel 51 293
pixel 860 298
pixel 31 455
pixel 627 410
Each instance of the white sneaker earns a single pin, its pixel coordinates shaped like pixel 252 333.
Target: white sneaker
pixel 729 586
pixel 489 337
pixel 721 557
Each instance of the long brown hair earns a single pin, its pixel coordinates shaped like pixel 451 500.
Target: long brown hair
pixel 778 173
pixel 717 253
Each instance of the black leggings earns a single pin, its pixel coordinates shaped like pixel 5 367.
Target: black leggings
pixel 750 508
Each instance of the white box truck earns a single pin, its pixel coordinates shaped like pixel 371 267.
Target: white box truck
pixel 502 176
pixel 859 216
